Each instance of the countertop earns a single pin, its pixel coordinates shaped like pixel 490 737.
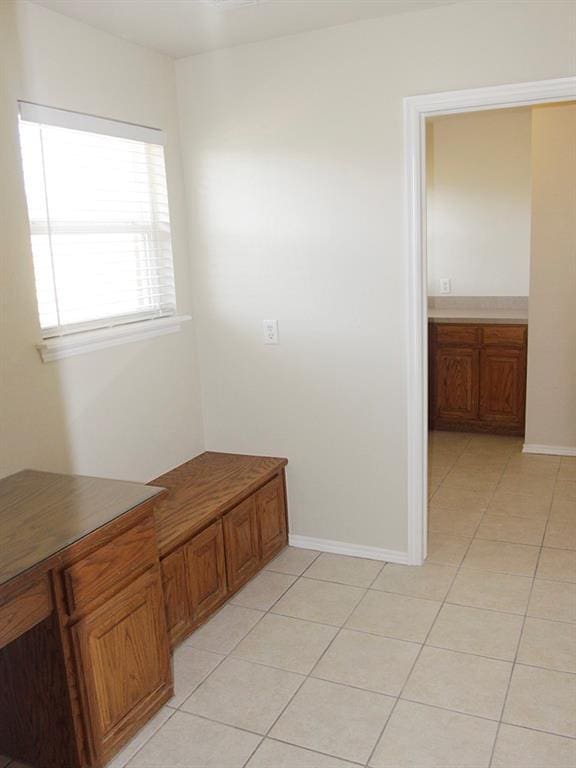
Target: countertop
pixel 505 316
pixel 41 513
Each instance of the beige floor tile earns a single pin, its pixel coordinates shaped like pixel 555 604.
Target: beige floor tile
pixel 543 466
pixel 243 694
pixel 429 581
pixel 123 757
pixel 287 643
pixel 516 530
pixel 186 741
pixel 356 571
pixel 453 522
pixel 554 600
pixel 473 630
pixel 446 550
pixel 501 557
pixel 418 736
pixel 335 719
pixel 293 560
pixel 224 630
pixel 459 681
pixel 528 484
pixel 276 754
pixel 522 748
pixel 321 601
pixel 519 505
pixel 263 590
pixel 484 460
pixel 557 564
pixel 565 489
pixel 479 479
pixel 397 616
pixel 542 699
pixel 368 661
pixel 567 469
pixel 191 667
pixel 460 499
pixel 550 644
pixel 561 533
pixel 563 509
pixel 494 591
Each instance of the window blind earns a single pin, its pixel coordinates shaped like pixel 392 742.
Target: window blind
pixel 99 220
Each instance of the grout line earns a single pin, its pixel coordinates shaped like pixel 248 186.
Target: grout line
pixel 342 627
pixel 518 644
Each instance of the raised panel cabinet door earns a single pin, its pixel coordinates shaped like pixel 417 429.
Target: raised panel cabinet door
pixel 176 595
pixel 456 379
pixel 241 542
pixel 123 654
pixel 503 386
pixel 206 569
pixel 271 512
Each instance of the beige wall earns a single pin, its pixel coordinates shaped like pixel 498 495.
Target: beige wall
pixel 551 396
pixel 293 156
pixel 478 195
pixel 131 411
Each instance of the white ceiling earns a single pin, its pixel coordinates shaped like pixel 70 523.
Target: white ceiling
pixel 184 27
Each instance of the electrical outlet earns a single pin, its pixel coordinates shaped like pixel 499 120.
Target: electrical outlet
pixel 270 331
pixel 445 285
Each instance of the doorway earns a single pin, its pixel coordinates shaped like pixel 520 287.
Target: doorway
pixel 417 110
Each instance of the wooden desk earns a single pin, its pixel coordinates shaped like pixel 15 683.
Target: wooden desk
pixel 84 653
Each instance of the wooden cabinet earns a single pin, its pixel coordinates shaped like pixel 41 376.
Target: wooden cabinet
pixel 224 518
pixel 502 386
pixel 477 377
pixel 176 595
pixel 122 651
pixel 271 517
pixel 241 537
pixel 456 384
pixel 206 570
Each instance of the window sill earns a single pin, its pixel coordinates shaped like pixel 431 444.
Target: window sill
pixel 89 341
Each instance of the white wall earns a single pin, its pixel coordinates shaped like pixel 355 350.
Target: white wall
pixel 478 201
pixel 131 411
pixel 551 386
pixel 293 155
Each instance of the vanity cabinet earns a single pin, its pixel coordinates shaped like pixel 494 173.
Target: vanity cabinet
pixel 477 377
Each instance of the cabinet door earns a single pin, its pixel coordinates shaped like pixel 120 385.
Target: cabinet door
pixel 176 595
pixel 502 386
pixel 206 569
pixel 271 513
pixel 122 652
pixel 456 381
pixel 241 540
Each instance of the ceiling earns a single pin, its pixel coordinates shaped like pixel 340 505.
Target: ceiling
pixel 184 27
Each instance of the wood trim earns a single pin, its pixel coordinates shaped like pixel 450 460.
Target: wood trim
pixel 24 610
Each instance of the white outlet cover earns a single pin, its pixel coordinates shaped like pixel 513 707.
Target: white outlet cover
pixel 270 328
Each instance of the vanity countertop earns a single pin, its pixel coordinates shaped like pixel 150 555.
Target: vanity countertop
pixel 507 316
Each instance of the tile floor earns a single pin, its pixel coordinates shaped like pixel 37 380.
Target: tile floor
pixel 325 661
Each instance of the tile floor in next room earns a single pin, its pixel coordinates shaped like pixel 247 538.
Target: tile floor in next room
pixel 326 661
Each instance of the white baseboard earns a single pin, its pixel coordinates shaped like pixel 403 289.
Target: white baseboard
pixel 549 450
pixel 354 550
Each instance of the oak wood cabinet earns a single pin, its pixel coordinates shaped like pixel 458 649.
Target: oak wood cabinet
pixel 84 651
pixel 241 537
pixel 223 519
pixel 477 377
pixel 120 648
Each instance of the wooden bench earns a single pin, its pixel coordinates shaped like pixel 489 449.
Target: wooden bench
pixel 223 519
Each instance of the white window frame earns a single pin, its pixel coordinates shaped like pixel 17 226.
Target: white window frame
pixel 83 340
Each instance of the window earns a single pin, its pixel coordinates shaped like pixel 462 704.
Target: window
pixel 99 220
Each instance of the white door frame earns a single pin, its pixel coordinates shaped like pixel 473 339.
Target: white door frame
pixel 416 110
